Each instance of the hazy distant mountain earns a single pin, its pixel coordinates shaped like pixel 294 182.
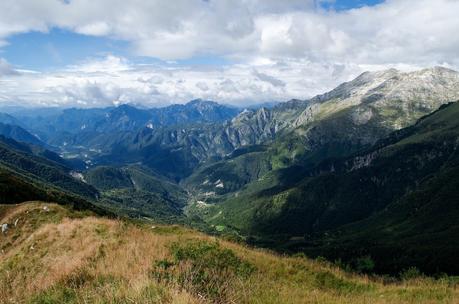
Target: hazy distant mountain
pixel 67 124
pixel 19 134
pixel 129 118
pixel 9 119
pixel 195 111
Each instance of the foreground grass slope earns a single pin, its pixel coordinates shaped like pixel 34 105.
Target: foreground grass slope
pixel 56 255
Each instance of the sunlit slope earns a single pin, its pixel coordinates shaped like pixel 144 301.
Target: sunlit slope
pixel 54 255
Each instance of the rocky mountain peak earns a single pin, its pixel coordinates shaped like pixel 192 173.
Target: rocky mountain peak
pixel 438 71
pixel 427 88
pixel 395 98
pixel 391 83
pixel 358 86
pixel 202 104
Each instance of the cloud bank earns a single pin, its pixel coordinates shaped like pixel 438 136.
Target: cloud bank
pixel 113 80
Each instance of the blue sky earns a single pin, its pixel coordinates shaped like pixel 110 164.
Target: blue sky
pixel 56 48
pixel 59 47
pixel 90 53
pixel 42 51
pixel 348 4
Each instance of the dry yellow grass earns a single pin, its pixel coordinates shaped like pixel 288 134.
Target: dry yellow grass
pixel 66 256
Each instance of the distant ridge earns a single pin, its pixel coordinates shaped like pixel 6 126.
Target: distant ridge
pixel 19 134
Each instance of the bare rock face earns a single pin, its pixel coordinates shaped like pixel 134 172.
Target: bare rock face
pixel 361 116
pixel 5 228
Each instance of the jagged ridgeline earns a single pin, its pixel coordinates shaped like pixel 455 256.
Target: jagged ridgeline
pixel 353 116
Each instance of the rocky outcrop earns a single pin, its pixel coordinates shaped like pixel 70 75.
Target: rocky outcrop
pixel 4 228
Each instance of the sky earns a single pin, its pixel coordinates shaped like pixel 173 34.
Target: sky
pixel 95 53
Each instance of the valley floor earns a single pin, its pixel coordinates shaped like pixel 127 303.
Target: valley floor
pixel 57 255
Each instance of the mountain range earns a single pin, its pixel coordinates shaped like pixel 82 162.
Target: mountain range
pixel 367 169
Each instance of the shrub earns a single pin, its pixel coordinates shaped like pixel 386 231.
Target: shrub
pixel 329 281
pixel 364 264
pixel 203 268
pixel 410 273
pixel 344 266
pixel 300 255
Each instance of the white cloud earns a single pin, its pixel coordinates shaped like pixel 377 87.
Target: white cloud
pixel 94 29
pixel 269 79
pixel 281 49
pixel 202 85
pixel 420 31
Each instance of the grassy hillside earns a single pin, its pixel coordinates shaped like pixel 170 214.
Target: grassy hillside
pixel 63 256
pixel 21 159
pixel 106 178
pixel 419 228
pixel 137 191
pixel 410 173
pixel 231 174
pixel 16 188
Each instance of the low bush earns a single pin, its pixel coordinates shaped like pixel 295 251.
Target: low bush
pixel 329 281
pixel 364 264
pixel 204 268
pixel 410 274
